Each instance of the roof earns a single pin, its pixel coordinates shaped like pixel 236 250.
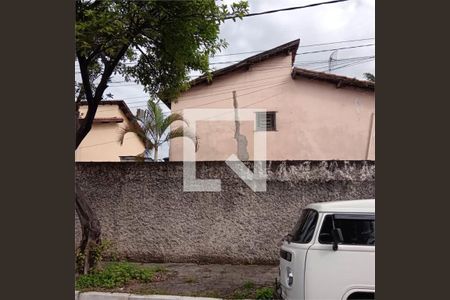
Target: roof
pixel 290 47
pixel 332 78
pixel 287 48
pixel 345 206
pixel 122 106
pixel 108 120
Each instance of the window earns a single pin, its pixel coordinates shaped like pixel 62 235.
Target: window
pixel 304 229
pixel 266 121
pixel 356 229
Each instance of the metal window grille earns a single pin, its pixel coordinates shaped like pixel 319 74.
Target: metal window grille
pixel 266 121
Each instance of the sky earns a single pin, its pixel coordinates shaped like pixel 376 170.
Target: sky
pixel 346 21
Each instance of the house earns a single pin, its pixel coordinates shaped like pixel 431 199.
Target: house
pixel 309 115
pixel 102 142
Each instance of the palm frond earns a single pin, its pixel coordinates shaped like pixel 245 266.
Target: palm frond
pixel 135 128
pixel 171 119
pixel 156 116
pixel 183 132
pixel 140 156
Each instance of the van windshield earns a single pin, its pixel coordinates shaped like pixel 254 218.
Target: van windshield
pixel 304 229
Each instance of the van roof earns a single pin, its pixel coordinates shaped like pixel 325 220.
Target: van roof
pixel 345 206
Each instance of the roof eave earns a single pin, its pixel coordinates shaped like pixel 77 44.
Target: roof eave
pixel 340 81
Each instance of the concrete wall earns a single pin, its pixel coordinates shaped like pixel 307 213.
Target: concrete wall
pixel 102 142
pixel 315 119
pixel 145 213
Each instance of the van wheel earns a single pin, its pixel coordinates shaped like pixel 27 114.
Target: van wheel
pixel 361 296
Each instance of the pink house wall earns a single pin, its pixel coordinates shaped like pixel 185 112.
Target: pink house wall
pixel 315 120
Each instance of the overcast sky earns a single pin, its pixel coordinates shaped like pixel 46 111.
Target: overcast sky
pixel 351 20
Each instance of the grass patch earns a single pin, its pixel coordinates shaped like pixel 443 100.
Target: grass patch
pixel 264 293
pixel 245 292
pixel 114 275
pixel 250 291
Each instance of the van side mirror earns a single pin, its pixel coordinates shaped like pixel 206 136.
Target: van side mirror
pixel 337 237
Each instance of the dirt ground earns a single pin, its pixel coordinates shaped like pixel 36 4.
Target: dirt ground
pixel 220 281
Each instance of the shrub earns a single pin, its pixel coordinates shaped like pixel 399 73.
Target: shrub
pixel 248 285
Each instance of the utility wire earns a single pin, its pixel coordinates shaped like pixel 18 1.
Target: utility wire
pixel 285 9
pixel 118 84
pixel 342 48
pixel 301 46
pixel 214 101
pixel 256 51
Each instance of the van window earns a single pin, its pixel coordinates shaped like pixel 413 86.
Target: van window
pixel 304 229
pixel 356 229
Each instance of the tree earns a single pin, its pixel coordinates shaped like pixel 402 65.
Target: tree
pixel 154 43
pixel 369 76
pixel 153 128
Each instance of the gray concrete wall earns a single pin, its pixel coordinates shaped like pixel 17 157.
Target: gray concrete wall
pixel 146 215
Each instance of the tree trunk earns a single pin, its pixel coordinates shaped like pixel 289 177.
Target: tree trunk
pixel 156 152
pixel 90 225
pixel 90 228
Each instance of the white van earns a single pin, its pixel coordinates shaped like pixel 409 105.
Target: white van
pixel 330 254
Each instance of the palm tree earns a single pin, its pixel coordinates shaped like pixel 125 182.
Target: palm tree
pixel 152 126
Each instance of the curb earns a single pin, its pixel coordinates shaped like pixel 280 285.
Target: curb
pixel 123 296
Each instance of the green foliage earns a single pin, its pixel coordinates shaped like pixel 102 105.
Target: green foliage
pixel 164 39
pixel 115 275
pixel 248 285
pixel 264 293
pixel 369 76
pixel 99 252
pixel 249 291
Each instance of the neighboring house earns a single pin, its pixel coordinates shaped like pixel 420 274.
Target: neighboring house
pixel 311 115
pixel 102 142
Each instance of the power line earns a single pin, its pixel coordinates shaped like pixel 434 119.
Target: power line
pixel 256 69
pixel 119 84
pixel 312 62
pixel 215 101
pixel 301 46
pixel 256 51
pixel 310 52
pixel 104 143
pixel 342 48
pixel 246 82
pixel 351 64
pixel 230 97
pixel 325 65
pixel 222 92
pixel 285 9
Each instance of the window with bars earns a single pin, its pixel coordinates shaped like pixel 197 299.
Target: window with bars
pixel 266 121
